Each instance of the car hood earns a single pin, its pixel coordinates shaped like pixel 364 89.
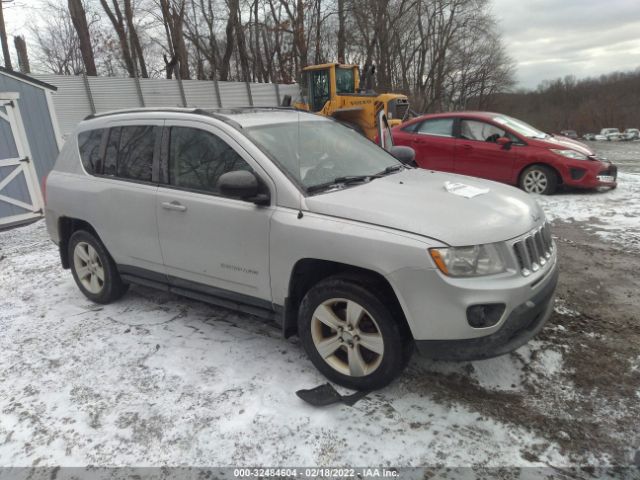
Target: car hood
pixel 563 143
pixel 417 201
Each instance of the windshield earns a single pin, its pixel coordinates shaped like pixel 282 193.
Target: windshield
pixel 520 127
pixel 345 81
pixel 319 152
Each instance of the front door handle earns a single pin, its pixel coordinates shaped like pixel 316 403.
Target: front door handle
pixel 175 205
pixel 466 146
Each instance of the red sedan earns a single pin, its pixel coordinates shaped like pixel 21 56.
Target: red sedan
pixel 501 148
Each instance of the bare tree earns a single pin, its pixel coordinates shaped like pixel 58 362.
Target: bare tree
pixel 58 47
pixel 21 50
pixel 173 13
pixel 79 18
pixel 134 39
pixel 3 40
pixel 118 21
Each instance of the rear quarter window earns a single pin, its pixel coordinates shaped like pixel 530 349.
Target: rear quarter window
pixel 89 143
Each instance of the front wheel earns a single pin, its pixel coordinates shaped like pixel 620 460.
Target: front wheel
pixel 539 179
pixel 351 336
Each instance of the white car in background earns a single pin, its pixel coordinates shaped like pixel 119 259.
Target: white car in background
pixel 631 134
pixel 611 134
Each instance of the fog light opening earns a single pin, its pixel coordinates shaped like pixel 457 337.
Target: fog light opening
pixel 483 316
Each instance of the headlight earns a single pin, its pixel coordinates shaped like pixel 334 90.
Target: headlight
pixel 472 261
pixel 570 154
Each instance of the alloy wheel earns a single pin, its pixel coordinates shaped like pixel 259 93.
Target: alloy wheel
pixel 88 267
pixel 535 181
pixel 347 337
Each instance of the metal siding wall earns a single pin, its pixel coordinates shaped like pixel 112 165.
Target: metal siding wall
pixel 292 89
pixel 37 123
pixel 113 93
pixel 264 95
pixel 200 93
pixel 159 92
pixel 234 94
pixel 71 101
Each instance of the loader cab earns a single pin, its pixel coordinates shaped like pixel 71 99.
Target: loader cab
pixel 324 82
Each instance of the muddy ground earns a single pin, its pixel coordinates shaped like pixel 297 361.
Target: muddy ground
pixel 592 406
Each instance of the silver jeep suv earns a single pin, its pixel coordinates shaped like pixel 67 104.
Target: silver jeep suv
pixel 295 218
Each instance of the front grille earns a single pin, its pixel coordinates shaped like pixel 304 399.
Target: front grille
pixel 534 250
pixel 612 171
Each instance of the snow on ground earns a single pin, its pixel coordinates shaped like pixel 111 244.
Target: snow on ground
pixel 614 215
pixel 158 379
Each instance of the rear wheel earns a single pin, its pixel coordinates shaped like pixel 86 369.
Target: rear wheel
pixel 93 269
pixel 351 336
pixel 539 179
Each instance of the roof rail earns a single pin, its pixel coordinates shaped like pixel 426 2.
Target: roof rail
pixel 213 112
pixel 141 110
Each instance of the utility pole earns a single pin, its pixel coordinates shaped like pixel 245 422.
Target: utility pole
pixel 3 38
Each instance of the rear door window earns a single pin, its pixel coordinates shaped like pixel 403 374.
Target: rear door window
pixel 89 143
pixel 135 155
pixel 129 152
pixel 441 127
pixel 198 158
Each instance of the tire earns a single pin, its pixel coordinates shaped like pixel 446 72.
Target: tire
pixel 539 179
pixel 93 269
pixel 346 358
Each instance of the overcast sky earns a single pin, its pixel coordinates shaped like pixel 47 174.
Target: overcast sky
pixel 547 38
pixel 553 38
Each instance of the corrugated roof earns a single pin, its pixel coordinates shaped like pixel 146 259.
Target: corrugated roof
pixel 28 79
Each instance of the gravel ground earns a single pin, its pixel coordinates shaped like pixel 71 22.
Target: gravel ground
pixel 160 380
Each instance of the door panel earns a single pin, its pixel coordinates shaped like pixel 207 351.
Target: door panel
pixel 215 241
pixel 477 154
pixel 20 196
pixel 125 192
pixel 434 144
pixel 205 237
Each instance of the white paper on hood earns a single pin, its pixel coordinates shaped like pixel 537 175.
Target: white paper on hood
pixel 464 190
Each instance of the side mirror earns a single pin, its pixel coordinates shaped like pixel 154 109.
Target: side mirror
pixel 244 185
pixel 504 142
pixel 405 155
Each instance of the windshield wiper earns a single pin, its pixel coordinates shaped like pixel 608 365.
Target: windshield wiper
pixel 392 169
pixel 346 180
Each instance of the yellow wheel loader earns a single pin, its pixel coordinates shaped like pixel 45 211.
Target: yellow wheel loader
pixel 334 90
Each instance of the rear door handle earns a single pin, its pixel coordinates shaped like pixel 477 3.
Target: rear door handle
pixel 466 146
pixel 175 205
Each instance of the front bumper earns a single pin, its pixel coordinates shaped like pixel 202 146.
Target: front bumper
pixel 523 323
pixel 591 175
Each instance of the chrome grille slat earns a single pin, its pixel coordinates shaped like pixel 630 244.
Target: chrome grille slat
pixel 533 250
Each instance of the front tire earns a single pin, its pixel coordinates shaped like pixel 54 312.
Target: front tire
pixel 539 179
pixel 351 336
pixel 93 269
